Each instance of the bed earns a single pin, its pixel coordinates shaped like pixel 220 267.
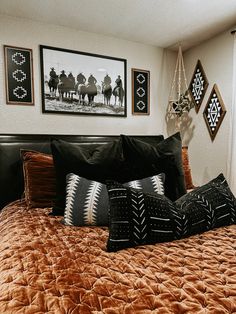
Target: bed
pixel 47 266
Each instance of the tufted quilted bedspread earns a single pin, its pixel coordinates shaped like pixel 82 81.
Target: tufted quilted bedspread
pixel 46 267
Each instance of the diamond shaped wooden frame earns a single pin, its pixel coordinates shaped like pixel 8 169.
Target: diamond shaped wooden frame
pixel 214 99
pixel 197 99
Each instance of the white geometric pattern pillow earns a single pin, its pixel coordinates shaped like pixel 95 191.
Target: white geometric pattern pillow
pixel 87 201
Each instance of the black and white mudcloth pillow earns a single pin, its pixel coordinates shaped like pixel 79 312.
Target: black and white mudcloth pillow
pixel 210 206
pixel 138 218
pixel 87 201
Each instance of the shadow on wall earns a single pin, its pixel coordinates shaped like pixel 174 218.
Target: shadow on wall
pixel 206 175
pixel 184 124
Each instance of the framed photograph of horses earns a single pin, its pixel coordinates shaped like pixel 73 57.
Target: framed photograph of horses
pixel 75 82
pixel 19 75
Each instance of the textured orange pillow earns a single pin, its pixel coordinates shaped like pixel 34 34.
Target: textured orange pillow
pixel 39 179
pixel 187 170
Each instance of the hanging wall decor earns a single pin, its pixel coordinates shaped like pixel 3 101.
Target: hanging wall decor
pixel 198 85
pixel 19 76
pixel 140 92
pixel 78 82
pixel 180 100
pixel 214 112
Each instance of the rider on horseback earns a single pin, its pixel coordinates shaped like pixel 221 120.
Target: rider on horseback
pixel 106 84
pixel 63 76
pixel 91 88
pixel 118 91
pixel 71 78
pixel 81 78
pixel 107 80
pixel 53 81
pixel 118 84
pixel 107 89
pixel 52 73
pixel 92 80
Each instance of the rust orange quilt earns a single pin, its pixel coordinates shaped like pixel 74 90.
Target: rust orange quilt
pixel 46 267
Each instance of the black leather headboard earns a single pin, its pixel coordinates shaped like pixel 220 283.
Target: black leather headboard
pixel 11 174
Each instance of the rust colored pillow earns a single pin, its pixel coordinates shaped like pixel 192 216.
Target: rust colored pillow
pixel 187 170
pixel 39 179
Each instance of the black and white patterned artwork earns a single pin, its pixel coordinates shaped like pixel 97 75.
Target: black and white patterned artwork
pixel 214 112
pixel 19 80
pixel 198 85
pixel 140 92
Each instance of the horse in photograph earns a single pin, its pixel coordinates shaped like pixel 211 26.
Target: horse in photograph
pixel 66 88
pixel 107 92
pixel 81 91
pixel 91 92
pixel 119 93
pixel 52 84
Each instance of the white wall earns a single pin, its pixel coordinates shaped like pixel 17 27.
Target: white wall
pixel 209 158
pixel 30 119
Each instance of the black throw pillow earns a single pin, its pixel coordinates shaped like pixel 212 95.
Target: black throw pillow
pixel 93 162
pixel 98 162
pixel 209 206
pixel 166 156
pixel 87 201
pixel 138 218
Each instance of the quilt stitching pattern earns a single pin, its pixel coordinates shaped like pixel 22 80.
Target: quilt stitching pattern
pixel 47 267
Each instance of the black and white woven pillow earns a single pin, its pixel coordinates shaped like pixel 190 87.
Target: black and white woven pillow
pixel 138 218
pixel 87 201
pixel 210 206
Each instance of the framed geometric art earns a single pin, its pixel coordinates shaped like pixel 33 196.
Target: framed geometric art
pixel 19 75
pixel 140 92
pixel 198 85
pixel 214 112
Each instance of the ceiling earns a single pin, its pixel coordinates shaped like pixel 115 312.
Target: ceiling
pixel 162 23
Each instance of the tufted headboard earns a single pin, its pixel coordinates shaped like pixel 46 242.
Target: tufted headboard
pixel 11 173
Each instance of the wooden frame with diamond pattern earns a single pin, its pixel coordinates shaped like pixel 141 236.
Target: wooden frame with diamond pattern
pixel 198 102
pixel 140 92
pixel 213 130
pixel 19 75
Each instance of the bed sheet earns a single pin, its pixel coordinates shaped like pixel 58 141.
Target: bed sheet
pixel 47 267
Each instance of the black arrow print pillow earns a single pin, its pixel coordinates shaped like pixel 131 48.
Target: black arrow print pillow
pixel 138 218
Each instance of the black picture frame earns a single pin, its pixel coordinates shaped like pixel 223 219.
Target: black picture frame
pixel 19 75
pixel 140 91
pixel 87 75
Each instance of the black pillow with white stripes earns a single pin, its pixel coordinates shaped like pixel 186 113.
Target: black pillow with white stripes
pixel 87 201
pixel 138 218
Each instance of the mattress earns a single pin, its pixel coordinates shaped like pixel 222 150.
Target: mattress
pixel 47 267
